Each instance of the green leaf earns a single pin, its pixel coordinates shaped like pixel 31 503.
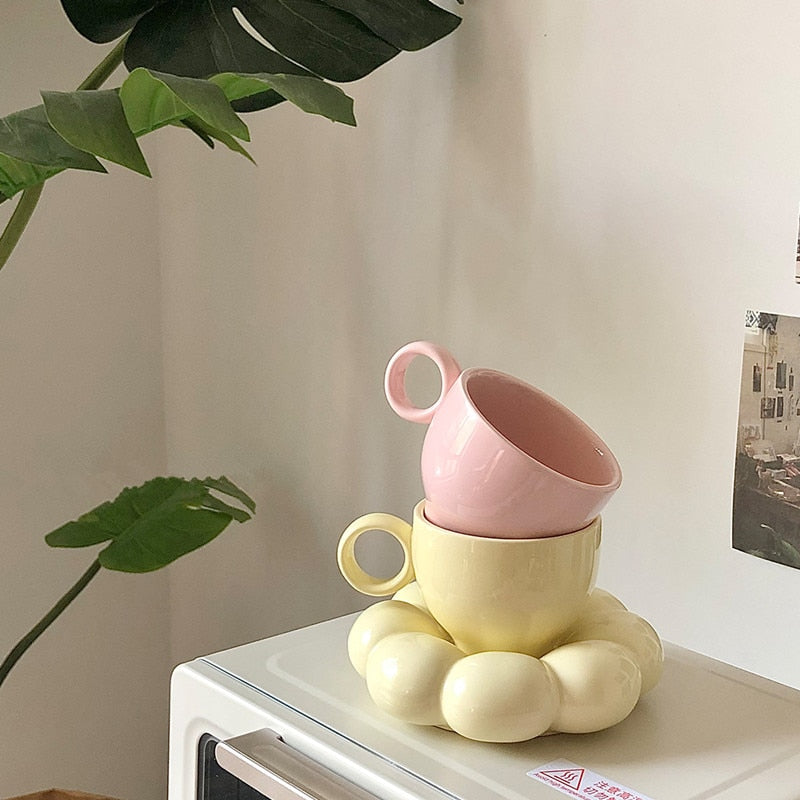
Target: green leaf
pixel 215 504
pixel 86 530
pixel 151 525
pixel 307 92
pixel 149 104
pixel 152 99
pixel 15 175
pixel 28 136
pixel 206 132
pixel 199 31
pixel 31 151
pixel 93 120
pixel 406 24
pixel 330 43
pixel 202 135
pixel 340 40
pixel 104 21
pixel 228 487
pixel 197 40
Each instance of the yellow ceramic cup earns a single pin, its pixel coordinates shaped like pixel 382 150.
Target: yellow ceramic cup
pixel 518 595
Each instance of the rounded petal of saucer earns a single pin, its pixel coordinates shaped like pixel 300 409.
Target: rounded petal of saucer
pixel 631 631
pixel 405 673
pixel 499 697
pixel 599 684
pixel 411 593
pixel 600 602
pixel 383 619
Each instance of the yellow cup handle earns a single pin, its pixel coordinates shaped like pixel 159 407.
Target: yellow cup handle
pixel 350 568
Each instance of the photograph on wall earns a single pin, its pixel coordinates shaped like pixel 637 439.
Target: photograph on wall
pixel 766 487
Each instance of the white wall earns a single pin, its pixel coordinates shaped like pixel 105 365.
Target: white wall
pixel 81 417
pixel 588 195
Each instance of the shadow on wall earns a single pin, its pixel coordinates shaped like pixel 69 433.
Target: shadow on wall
pixel 488 244
pixel 263 579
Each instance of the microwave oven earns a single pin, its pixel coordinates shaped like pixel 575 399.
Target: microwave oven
pixel 288 718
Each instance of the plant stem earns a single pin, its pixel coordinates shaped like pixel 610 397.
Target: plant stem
pixel 37 630
pixel 30 197
pixel 102 72
pixel 19 219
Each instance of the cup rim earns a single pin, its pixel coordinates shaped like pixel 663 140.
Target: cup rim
pixel 599 444
pixel 419 513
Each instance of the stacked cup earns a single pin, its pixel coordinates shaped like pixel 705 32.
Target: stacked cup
pixel 504 546
pixel 501 458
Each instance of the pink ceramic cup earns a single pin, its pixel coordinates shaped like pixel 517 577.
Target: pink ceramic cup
pixel 500 457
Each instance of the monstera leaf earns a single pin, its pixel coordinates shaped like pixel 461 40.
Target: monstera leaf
pixel 340 40
pixel 259 53
pixel 151 525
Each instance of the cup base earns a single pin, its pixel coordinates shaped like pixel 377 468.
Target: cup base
pixel 482 533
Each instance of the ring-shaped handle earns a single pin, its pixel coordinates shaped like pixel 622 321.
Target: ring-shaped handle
pixel 395 379
pixel 352 571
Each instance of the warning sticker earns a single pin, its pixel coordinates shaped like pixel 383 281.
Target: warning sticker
pixel 582 783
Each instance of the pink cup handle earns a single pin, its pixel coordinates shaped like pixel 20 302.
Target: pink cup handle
pixel 395 379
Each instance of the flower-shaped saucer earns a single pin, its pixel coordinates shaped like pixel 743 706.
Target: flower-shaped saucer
pixel 592 680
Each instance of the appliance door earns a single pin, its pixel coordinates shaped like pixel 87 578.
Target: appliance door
pixel 220 749
pixel 261 765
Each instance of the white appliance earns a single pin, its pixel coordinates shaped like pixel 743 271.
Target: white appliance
pixel 707 731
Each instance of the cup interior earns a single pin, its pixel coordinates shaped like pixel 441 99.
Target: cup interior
pixel 542 428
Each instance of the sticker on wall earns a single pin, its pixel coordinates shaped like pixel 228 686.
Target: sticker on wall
pixel 766 484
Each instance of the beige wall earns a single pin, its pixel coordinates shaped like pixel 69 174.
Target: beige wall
pixel 81 417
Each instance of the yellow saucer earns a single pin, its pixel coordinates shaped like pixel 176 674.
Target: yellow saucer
pixel 591 681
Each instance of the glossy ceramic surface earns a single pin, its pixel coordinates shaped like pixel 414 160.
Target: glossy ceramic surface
pixel 416 674
pixel 501 458
pixel 519 595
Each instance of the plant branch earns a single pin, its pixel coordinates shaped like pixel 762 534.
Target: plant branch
pixel 103 71
pixel 46 620
pixel 16 225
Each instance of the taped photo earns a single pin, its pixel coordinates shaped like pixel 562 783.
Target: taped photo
pixel 766 490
